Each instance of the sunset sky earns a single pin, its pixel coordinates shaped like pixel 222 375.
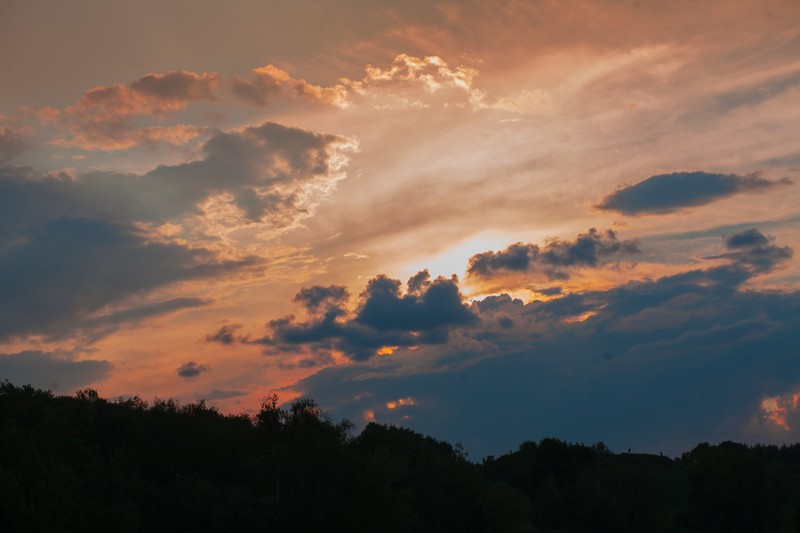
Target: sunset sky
pixel 488 221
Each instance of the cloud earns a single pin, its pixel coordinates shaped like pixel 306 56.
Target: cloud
pixel 269 82
pixel 14 140
pixel 51 370
pixel 753 250
pixel 384 319
pixel 191 370
pixel 666 193
pixel 74 273
pixel 319 298
pixel 102 118
pixel 653 365
pixel 401 82
pixel 428 305
pixel 224 335
pixel 555 258
pixel 223 394
pixel 270 174
pixel 84 253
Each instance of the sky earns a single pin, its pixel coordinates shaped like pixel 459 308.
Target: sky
pixel 488 221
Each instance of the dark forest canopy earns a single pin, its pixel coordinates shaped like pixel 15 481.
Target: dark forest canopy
pixel 83 463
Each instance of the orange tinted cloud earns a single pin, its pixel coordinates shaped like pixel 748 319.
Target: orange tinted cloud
pixel 101 118
pixel 430 73
pixel 400 402
pixel 269 82
pixel 776 409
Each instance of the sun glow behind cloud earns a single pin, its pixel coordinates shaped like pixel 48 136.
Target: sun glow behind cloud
pixel 778 409
pixel 454 259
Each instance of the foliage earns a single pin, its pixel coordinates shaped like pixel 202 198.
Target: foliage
pixel 83 463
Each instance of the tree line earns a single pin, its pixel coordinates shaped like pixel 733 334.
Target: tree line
pixel 84 463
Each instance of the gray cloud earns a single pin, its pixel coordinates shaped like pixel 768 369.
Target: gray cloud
pixel 54 277
pixel 261 169
pixel 556 257
pixel 52 371
pixel 223 394
pixel 652 365
pixel 665 193
pixel 319 298
pixel 753 250
pixel 224 335
pixel 71 247
pixel 191 370
pixel 384 318
pixel 13 141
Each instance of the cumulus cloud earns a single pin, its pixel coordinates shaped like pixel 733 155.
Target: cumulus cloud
pixel 191 370
pixel 102 118
pixel 57 372
pixel 406 75
pixel 269 82
pixel 654 365
pixel 69 273
pixel 556 257
pixel 319 298
pixel 384 319
pixel 666 193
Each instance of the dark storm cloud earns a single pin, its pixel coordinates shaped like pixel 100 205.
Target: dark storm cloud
pixel 47 370
pixel 191 369
pixel 55 276
pixel 666 193
pixel 385 317
pixel 653 365
pixel 554 258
